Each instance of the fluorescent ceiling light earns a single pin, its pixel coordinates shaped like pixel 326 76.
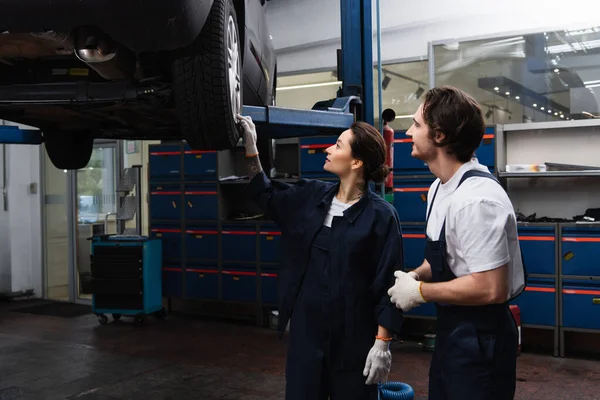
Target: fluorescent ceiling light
pixel 575 46
pixel 310 85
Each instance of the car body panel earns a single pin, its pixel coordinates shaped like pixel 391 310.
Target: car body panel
pixel 148 26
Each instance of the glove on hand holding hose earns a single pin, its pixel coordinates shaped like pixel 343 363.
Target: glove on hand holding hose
pixel 249 135
pixel 379 363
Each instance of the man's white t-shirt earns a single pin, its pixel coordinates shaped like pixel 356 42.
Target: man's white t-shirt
pixel 481 226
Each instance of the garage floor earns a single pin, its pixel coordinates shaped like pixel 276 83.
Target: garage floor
pixel 46 357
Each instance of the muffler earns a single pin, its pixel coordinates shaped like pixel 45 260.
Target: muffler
pixel 109 59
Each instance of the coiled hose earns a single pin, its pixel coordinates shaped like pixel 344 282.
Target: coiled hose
pixel 396 391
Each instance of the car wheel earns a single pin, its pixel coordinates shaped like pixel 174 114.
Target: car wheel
pixel 69 150
pixel 208 82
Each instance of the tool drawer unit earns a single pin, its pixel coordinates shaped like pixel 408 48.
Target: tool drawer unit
pixel 205 256
pixel 126 277
pixel 580 278
pixel 405 164
pixel 312 156
pixel 538 303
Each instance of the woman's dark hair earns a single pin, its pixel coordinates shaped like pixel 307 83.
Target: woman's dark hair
pixel 368 145
pixel 457 115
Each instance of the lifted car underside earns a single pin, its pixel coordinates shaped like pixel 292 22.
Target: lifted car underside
pixel 44 84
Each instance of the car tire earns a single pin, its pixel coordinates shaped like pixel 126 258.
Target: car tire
pixel 208 82
pixel 69 150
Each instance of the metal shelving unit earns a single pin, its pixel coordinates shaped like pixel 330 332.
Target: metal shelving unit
pixel 546 137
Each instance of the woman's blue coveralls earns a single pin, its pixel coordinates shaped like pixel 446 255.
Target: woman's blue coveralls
pixel 333 284
pixel 476 346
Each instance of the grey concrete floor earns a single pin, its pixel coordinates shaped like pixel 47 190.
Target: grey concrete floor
pixel 44 357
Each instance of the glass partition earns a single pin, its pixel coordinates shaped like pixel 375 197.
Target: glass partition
pixel 403 85
pixel 545 76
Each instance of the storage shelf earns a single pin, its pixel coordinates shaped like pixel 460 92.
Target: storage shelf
pixel 247 181
pixel 551 125
pixel 553 276
pixel 549 174
pixel 246 221
pixel 581 277
pixel 545 327
pixel 583 330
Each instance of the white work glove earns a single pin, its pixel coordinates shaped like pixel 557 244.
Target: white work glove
pixel 413 274
pixel 249 135
pixel 379 363
pixel 406 292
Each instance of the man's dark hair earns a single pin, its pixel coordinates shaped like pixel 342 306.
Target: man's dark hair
pixel 368 145
pixel 458 116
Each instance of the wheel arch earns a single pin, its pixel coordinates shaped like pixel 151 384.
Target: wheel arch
pixel 240 10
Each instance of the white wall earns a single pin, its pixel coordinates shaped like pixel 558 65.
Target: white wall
pixel 5 275
pixel 25 218
pixel 306 33
pixel 21 225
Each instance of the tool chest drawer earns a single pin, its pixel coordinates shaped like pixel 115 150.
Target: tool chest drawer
pixel 404 163
pixel 165 202
pixel 313 155
pixel 581 304
pixel 199 164
pixel 581 251
pixel 268 278
pixel 538 302
pixel 171 240
pixel 413 241
pixel 239 243
pixel 201 202
pixel 172 281
pixel 113 286
pixel 485 152
pixel 239 283
pixel 202 282
pixel 118 302
pixel 538 247
pixel 109 262
pixel 270 242
pixel 410 199
pixel 165 163
pixel 202 242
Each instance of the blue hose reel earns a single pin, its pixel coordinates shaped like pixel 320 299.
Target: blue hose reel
pixel 395 391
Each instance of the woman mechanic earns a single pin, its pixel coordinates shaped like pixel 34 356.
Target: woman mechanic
pixel 341 244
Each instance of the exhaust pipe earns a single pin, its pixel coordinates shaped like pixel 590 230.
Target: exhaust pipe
pixel 109 59
pixel 93 55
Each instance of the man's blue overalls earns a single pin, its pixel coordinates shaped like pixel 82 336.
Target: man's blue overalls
pixel 476 346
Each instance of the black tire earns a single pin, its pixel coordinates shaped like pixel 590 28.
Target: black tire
pixel 103 319
pixel 69 150
pixel 201 84
pixel 139 319
pixel 160 314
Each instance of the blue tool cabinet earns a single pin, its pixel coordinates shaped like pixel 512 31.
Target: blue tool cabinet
pixel 537 303
pixel 405 164
pixel 581 304
pixel 539 247
pixel 410 199
pixel 313 155
pixel 126 277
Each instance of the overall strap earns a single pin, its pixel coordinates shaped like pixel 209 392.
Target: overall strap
pixel 469 174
